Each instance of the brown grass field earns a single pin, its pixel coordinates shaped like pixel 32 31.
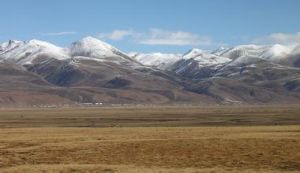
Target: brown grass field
pixel 151 139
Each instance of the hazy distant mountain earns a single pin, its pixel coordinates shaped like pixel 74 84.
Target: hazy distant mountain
pixel 90 71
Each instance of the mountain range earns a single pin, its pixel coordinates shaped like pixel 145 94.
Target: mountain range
pixel 90 71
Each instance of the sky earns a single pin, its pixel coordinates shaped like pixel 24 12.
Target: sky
pixel 153 25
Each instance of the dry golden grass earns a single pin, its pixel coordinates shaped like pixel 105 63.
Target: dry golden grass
pixel 151 116
pixel 126 169
pixel 151 149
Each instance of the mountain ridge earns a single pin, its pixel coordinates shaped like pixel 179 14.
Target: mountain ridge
pixel 92 71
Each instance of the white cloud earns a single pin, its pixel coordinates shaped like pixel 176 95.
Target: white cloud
pixel 59 33
pixel 280 38
pixel 159 37
pixel 116 34
pixel 179 38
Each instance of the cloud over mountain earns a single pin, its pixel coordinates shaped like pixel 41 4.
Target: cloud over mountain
pixel 279 38
pixel 59 33
pixel 156 36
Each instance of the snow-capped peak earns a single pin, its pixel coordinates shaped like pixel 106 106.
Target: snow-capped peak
pixel 28 51
pixel 36 51
pixel 95 43
pixel 193 53
pixel 220 51
pixel 250 50
pixel 10 45
pixel 133 54
pixel 45 45
pixel 90 46
pixel 158 60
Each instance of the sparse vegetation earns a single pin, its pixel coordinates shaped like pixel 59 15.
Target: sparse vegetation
pixel 128 148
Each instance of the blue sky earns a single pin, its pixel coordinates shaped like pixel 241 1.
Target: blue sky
pixel 153 25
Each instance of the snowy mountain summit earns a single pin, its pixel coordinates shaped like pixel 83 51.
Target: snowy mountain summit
pixel 92 47
pixel 28 52
pixel 25 52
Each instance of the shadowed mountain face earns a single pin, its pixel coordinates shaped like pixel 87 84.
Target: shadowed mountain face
pixel 91 71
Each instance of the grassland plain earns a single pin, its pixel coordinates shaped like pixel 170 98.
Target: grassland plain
pixel 223 139
pixel 172 116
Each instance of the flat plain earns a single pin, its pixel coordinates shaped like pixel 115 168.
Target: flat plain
pixel 186 139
